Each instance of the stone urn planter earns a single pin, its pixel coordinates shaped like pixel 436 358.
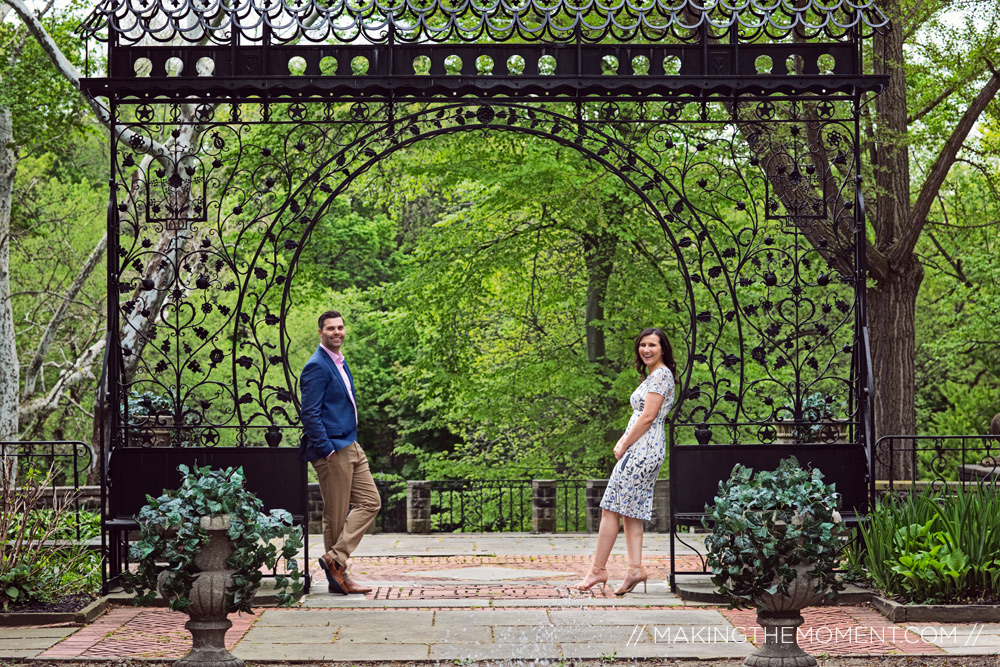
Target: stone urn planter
pixel 210 598
pixel 775 544
pixel 214 538
pixel 780 615
pixel 816 421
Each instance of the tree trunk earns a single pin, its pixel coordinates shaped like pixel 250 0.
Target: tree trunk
pixel 892 307
pixel 34 411
pixel 890 158
pixel 896 272
pixel 94 472
pixel 599 256
pixel 9 370
pixel 49 336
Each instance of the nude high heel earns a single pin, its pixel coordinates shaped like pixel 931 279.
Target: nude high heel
pixel 629 584
pixel 583 587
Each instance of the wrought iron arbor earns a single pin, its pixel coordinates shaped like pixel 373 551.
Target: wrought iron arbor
pixel 735 123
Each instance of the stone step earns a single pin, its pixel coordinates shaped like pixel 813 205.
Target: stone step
pixel 699 588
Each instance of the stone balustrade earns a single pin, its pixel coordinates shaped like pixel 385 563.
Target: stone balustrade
pixel 545 505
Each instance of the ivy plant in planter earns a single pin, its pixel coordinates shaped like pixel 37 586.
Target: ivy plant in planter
pixel 213 537
pixel 777 539
pixel 171 533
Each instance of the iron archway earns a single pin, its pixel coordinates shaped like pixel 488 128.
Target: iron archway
pixel 726 156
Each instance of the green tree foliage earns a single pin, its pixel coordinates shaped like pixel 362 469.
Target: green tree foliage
pixel 958 353
pixel 493 282
pixel 51 218
pixel 46 108
pixel 942 81
pixel 58 215
pixel 494 301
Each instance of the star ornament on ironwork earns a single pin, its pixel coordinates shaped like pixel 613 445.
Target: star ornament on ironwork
pixel 205 112
pixel 359 111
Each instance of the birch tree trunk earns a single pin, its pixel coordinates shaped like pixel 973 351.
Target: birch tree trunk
pixel 49 336
pixel 9 369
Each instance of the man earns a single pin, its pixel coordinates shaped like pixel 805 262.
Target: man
pixel 330 420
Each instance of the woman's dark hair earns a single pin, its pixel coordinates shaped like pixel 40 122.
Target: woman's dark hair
pixel 668 352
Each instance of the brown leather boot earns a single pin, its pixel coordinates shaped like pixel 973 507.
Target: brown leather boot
pixel 334 574
pixel 352 586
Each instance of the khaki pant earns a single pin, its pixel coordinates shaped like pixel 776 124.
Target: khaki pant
pixel 350 500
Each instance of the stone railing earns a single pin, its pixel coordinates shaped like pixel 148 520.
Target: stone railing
pixel 546 503
pixel 545 506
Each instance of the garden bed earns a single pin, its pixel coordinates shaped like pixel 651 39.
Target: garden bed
pixel 898 612
pixel 924 548
pixel 68 609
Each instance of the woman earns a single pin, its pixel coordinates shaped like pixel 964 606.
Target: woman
pixel 640 453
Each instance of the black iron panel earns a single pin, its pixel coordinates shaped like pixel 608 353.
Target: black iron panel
pixel 833 59
pixel 485 70
pixel 276 476
pixel 705 466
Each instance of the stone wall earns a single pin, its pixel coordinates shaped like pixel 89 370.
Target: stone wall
pixel 658 523
pixel 89 498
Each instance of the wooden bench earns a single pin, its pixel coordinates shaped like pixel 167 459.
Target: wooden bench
pixel 276 475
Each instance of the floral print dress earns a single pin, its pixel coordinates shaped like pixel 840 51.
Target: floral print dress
pixel 630 489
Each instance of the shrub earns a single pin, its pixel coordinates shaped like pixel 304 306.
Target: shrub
pixel 149 403
pixel 42 558
pixel 934 547
pixel 765 524
pixel 171 533
pixel 818 411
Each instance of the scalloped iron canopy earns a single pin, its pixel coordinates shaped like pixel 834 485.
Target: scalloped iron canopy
pixel 134 22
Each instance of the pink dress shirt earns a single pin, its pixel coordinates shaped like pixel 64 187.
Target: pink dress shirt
pixel 338 360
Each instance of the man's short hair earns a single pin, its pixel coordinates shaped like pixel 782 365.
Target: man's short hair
pixel 330 314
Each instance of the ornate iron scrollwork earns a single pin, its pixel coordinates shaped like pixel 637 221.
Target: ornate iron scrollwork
pixel 220 344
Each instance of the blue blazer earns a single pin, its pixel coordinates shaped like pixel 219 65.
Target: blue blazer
pixel 327 412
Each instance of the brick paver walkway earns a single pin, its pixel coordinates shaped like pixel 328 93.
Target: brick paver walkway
pixel 381 568
pixel 126 632
pixel 491 591
pixel 160 633
pixel 840 631
pixel 404 567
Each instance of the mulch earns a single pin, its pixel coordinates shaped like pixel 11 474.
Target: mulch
pixel 64 604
